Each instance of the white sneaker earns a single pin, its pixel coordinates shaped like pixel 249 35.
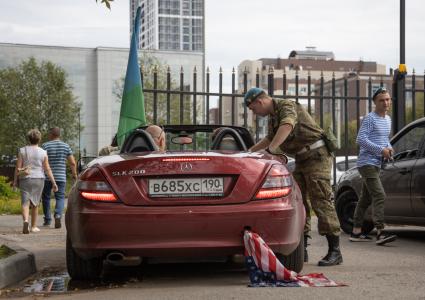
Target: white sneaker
pixel 35 229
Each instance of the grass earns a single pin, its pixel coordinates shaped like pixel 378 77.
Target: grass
pixel 10 201
pixel 5 251
pixel 12 206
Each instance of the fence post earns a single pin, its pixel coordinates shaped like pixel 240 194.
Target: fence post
pixel 245 89
pixel 399 101
pixel 155 94
pixel 233 97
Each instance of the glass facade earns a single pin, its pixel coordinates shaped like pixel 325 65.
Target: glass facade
pixel 173 25
pixel 169 33
pixel 169 7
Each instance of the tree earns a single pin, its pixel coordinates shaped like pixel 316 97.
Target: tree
pixel 35 95
pixel 419 108
pixel 351 147
pixel 150 65
pixel 106 2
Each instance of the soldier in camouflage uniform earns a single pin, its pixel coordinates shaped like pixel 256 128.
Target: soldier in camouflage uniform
pixel 292 130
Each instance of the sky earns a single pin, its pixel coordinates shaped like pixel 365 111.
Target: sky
pixel 235 30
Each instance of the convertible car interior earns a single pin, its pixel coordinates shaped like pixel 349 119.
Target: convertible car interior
pixel 140 141
pixel 184 137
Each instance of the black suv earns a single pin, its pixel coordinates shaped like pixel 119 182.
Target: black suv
pixel 403 179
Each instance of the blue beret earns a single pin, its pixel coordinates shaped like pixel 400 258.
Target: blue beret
pixel 252 94
pixel 380 90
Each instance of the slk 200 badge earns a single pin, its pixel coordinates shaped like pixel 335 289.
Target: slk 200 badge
pixel 128 172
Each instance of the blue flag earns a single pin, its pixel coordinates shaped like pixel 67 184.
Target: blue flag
pixel 132 114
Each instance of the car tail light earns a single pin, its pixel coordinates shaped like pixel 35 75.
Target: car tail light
pixel 96 196
pixel 278 184
pixel 93 186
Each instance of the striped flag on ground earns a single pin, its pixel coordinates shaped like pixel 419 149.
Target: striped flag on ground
pixel 266 270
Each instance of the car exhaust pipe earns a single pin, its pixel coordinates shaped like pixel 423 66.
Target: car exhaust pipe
pixel 115 257
pixel 119 259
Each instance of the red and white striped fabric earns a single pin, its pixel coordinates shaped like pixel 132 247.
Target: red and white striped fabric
pixel 269 271
pixel 264 257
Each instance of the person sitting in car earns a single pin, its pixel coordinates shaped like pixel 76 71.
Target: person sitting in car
pixel 110 149
pixel 158 135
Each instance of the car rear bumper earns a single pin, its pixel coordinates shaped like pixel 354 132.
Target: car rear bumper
pixel 96 229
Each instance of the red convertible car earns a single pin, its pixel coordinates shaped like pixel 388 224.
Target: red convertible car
pixel 193 200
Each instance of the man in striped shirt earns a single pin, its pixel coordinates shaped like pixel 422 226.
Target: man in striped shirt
pixel 58 153
pixel 373 139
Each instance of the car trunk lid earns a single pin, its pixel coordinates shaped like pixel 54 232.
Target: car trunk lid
pixel 182 178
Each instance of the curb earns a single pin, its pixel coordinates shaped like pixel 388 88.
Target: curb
pixel 17 266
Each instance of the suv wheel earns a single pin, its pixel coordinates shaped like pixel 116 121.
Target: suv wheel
pixel 79 268
pixel 345 206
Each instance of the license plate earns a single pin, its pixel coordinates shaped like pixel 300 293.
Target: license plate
pixel 186 187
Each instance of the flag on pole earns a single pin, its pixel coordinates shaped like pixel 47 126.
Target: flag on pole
pixel 266 270
pixel 132 114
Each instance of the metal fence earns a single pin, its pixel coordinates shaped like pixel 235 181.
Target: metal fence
pixel 339 102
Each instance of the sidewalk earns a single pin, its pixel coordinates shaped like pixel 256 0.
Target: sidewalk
pixel 48 245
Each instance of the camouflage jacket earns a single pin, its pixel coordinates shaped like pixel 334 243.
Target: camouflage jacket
pixel 305 130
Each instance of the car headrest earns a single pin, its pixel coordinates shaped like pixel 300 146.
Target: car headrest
pixel 237 139
pixel 139 141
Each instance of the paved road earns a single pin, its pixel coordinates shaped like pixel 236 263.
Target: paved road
pixel 371 272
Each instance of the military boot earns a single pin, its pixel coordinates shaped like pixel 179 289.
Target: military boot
pixel 334 256
pixel 306 237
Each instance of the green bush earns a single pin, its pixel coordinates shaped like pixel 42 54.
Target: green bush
pixel 10 206
pixel 6 189
pixel 9 199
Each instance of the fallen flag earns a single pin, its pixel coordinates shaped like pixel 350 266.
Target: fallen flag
pixel 266 270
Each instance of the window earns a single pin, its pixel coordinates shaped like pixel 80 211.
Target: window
pixel 341 165
pixel 408 145
pixel 169 7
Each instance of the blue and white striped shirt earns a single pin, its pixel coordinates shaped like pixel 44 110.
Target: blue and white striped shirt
pixel 373 137
pixel 57 152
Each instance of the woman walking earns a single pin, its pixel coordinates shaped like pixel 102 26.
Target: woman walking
pixel 31 166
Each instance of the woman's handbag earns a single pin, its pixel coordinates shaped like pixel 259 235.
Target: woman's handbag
pixel 25 170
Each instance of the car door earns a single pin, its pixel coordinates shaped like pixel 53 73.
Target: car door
pixel 418 186
pixel 396 175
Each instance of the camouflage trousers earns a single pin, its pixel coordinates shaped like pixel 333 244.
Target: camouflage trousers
pixel 313 174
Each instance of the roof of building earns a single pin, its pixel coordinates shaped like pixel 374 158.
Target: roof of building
pixel 311 53
pixel 320 65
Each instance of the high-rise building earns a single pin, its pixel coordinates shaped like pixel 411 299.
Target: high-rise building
pixel 175 25
pixel 173 31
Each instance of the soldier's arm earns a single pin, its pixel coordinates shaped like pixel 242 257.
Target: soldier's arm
pixel 280 136
pixel 260 145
